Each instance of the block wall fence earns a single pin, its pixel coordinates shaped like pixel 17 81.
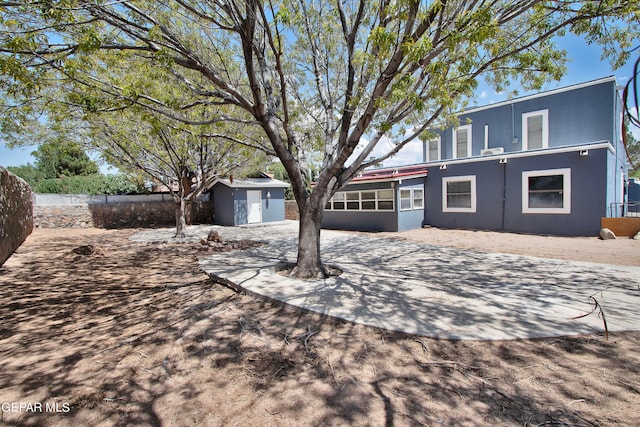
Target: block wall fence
pixel 80 211
pixel 16 213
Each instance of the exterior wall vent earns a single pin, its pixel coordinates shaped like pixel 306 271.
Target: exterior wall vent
pixel 490 151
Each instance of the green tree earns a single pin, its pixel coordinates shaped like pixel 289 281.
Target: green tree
pixel 310 75
pixel 64 158
pixel 27 172
pixel 183 159
pixel 89 184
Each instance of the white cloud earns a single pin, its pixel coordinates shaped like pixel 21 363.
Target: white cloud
pixel 410 154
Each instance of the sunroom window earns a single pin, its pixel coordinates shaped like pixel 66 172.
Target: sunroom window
pixel 373 200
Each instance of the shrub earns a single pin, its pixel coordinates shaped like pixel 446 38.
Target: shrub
pixel 89 184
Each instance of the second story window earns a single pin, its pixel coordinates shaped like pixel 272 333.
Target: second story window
pixel 535 130
pixel 433 150
pixel 462 141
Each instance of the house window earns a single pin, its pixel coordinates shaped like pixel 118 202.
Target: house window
pixel 368 200
pixel 338 201
pixel 373 200
pixel 353 201
pixel 405 199
pixel 418 198
pixel 462 141
pixel 385 200
pixel 546 191
pixel 459 194
pixel 411 199
pixel 433 150
pixel 535 130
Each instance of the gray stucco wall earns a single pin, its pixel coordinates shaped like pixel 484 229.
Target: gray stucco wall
pixel 489 186
pixel 362 220
pixel 16 213
pixel 223 205
pixel 396 220
pixel 496 182
pixel 577 116
pixel 588 195
pixel 230 204
pixel 273 208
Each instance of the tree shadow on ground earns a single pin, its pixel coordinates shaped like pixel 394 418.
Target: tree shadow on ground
pixel 135 334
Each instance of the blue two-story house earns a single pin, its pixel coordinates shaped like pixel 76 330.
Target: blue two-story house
pixel 549 163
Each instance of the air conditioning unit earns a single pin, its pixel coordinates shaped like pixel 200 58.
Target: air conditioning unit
pixel 491 151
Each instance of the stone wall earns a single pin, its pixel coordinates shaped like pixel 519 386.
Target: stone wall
pixel 291 210
pixel 117 214
pixel 16 213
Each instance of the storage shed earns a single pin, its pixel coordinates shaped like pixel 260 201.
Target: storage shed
pixel 248 200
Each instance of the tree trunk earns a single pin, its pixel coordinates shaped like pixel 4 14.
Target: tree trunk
pixel 181 223
pixel 309 263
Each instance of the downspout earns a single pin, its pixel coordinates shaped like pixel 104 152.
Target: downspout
pixel 617 128
pixel 504 194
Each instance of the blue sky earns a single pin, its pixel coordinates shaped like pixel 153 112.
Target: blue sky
pixel 585 65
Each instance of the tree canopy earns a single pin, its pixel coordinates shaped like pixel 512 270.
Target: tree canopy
pixel 63 158
pixel 55 160
pixel 322 75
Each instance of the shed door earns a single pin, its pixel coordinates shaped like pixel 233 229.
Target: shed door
pixel 254 204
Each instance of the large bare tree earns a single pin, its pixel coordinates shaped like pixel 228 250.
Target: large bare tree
pixel 324 75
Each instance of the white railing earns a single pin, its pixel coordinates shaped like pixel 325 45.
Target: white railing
pixel 624 210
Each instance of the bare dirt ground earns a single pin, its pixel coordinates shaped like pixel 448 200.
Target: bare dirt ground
pixel 135 334
pixel 621 251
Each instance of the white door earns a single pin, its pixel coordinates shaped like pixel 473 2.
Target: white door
pixel 254 204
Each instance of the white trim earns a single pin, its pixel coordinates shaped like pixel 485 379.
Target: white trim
pixel 455 140
pixel 376 201
pixel 545 128
pixel 530 153
pixel 437 140
pixel 566 191
pixel 540 94
pixel 486 137
pixel 410 199
pixel 253 216
pixel 396 179
pixel 413 198
pixel 446 180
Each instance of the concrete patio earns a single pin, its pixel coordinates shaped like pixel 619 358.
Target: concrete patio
pixel 428 290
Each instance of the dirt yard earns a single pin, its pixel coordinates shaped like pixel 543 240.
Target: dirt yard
pixel 134 334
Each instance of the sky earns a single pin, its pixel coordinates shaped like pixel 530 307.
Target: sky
pixel 585 65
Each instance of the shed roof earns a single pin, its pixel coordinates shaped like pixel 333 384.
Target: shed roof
pixel 252 183
pixel 391 174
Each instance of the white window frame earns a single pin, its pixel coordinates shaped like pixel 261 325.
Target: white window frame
pixel 428 150
pixel 446 180
pixel 410 198
pixel 566 192
pixel 455 141
pixel 413 198
pixel 345 199
pixel 545 128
